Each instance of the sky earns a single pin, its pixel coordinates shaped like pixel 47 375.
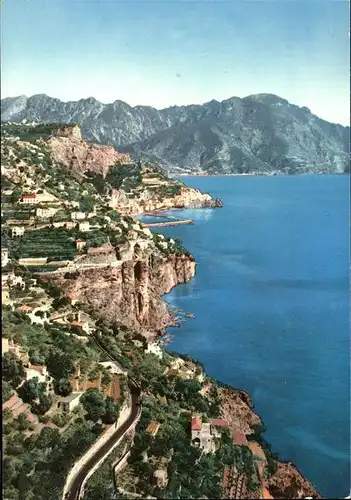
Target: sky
pixel 177 52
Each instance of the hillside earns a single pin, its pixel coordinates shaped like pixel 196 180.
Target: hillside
pixel 51 152
pixel 257 134
pixel 82 316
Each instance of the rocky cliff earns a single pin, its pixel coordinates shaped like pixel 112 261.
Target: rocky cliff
pixel 130 294
pixel 288 482
pixel 143 187
pixel 68 148
pixel 260 133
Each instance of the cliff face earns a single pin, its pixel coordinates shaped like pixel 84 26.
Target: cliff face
pixel 236 408
pixel 287 482
pixel 130 294
pixel 68 148
pixel 153 193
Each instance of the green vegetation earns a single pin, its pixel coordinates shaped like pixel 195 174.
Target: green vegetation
pixel 12 370
pixel 98 407
pixel 36 466
pixel 36 463
pixel 53 243
pixel 31 133
pixel 126 177
pixel 101 485
pixel 170 190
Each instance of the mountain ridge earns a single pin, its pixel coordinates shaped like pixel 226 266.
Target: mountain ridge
pixel 261 133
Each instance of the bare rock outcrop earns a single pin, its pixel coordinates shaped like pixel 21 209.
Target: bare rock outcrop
pixel 130 294
pixel 288 482
pixel 69 149
pixel 237 409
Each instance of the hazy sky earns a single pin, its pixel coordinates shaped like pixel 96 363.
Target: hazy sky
pixel 167 52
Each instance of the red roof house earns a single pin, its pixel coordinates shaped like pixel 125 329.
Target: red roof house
pixel 219 422
pixel 26 308
pixel 29 196
pixel 196 423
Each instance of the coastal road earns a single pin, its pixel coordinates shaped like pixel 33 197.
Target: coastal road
pixel 74 490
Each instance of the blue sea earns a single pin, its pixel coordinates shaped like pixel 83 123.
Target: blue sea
pixel 271 306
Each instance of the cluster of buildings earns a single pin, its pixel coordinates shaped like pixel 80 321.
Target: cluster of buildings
pixel 185 370
pixel 205 435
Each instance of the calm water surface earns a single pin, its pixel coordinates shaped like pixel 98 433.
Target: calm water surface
pixel 271 302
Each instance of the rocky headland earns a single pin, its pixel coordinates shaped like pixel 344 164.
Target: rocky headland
pixel 129 294
pixel 107 262
pixel 147 189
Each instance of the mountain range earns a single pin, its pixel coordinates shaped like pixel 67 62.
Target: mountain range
pixel 262 133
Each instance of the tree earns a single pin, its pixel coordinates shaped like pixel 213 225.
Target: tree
pixel 86 204
pixel 94 404
pixel 44 404
pixel 63 387
pixel 30 390
pixel 36 358
pixel 12 369
pixel 22 422
pixel 48 438
pixel 6 391
pixel 60 365
pixel 106 378
pixel 16 195
pixel 111 411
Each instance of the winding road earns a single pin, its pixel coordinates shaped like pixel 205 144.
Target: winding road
pixel 74 490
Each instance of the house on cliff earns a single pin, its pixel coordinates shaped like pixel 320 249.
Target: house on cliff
pixel 205 435
pixel 201 435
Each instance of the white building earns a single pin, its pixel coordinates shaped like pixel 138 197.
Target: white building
pixel 77 215
pixel 14 280
pixel 4 257
pixel 45 197
pixel 84 226
pixel 29 199
pixel 37 371
pixel 70 402
pixel 113 367
pixel 4 345
pixel 201 435
pixel 17 231
pixel 46 212
pixel 155 349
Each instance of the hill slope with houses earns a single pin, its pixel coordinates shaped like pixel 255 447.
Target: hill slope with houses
pixel 82 281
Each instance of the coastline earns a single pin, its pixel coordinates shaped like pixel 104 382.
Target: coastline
pixel 278 174
pixel 272 456
pixel 165 339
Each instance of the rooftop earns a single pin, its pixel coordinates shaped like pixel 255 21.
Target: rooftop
pixel 219 422
pixel 71 397
pixel 153 428
pixel 196 423
pixel 38 368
